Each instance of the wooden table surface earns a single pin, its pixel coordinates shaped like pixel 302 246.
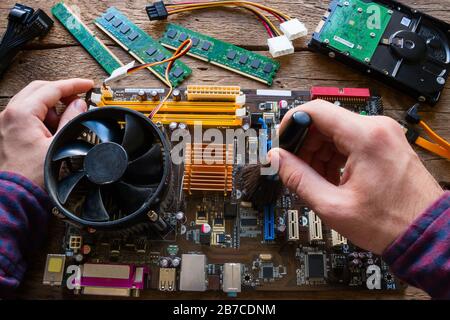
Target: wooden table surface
pixel 59 56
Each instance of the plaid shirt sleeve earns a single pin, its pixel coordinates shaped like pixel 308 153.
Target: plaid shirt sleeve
pixel 421 256
pixel 24 215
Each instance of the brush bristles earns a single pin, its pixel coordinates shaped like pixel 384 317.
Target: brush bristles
pixel 260 189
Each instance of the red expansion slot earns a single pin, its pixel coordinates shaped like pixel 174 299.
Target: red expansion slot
pixel 329 93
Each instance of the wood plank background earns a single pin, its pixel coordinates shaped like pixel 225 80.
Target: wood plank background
pixel 59 56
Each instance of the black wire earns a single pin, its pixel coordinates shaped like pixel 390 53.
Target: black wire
pixel 24 24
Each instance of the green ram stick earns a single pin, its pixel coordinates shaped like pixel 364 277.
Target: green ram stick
pixel 140 45
pixel 355 27
pixel 86 38
pixel 222 54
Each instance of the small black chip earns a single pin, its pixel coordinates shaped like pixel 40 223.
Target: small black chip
pixel 160 57
pixel 182 37
pixel 249 222
pixel 230 210
pixel 316 269
pixel 205 238
pixel 171 34
pixel 109 16
pixel 255 64
pixel 178 72
pixel 195 41
pixel 206 45
pixel 231 54
pixel 201 215
pixel 124 29
pixel 268 68
pixel 116 23
pixel 267 272
pixel 151 51
pixel 243 59
pixel 133 36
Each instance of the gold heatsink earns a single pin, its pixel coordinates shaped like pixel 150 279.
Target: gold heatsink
pixel 208 167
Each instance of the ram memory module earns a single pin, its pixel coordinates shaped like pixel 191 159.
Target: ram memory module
pixel 86 38
pixel 222 54
pixel 140 45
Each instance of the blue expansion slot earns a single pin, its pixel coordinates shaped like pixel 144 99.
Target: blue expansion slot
pixel 269 223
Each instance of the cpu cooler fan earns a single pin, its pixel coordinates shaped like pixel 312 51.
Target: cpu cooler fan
pixel 114 163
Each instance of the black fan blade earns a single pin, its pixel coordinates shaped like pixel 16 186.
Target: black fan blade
pixel 66 185
pixel 147 168
pixel 135 136
pixel 130 197
pixel 106 130
pixel 94 209
pixel 76 148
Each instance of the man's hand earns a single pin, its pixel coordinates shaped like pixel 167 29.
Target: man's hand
pixel 384 186
pixel 27 123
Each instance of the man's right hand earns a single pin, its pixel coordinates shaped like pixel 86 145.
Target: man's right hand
pixel 384 186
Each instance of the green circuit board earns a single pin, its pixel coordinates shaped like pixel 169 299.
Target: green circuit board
pixel 222 54
pixel 140 45
pixel 355 27
pixel 86 38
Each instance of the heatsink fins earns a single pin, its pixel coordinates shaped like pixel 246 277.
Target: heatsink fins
pixel 207 170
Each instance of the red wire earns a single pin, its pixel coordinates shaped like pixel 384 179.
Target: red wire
pixel 199 2
pixel 266 26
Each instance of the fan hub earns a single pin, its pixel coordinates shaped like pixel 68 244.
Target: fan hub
pixel 106 163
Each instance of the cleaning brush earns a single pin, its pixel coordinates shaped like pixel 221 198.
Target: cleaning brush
pixel 266 189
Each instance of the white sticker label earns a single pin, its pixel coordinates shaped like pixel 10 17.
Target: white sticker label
pixel 344 42
pixel 274 93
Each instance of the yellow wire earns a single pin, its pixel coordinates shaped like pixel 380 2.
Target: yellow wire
pixel 277 31
pixel 236 3
pixel 433 135
pixel 181 51
pixel 432 147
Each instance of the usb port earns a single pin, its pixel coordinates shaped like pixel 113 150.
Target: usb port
pixel 293 225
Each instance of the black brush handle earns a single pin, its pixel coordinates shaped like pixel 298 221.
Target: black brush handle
pixel 294 133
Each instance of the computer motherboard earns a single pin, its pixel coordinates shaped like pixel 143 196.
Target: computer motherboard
pixel 210 237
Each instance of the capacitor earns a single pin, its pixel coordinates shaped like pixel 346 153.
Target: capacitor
pixel 173 126
pixel 355 262
pixel 245 126
pixel 362 255
pixel 176 262
pixel 182 126
pixel 79 257
pixel 176 95
pixel 283 104
pixel 155 95
pixel 206 228
pixel 183 229
pixel 142 96
pixel 281 228
pixel 353 255
pixel 86 249
pixel 164 262
pixel 179 215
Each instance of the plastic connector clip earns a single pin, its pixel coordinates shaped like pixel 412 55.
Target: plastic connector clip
pixel 280 46
pixel 294 29
pixel 119 73
pixel 157 11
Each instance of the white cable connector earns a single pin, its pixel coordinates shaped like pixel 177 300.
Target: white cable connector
pixel 280 46
pixel 294 29
pixel 119 73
